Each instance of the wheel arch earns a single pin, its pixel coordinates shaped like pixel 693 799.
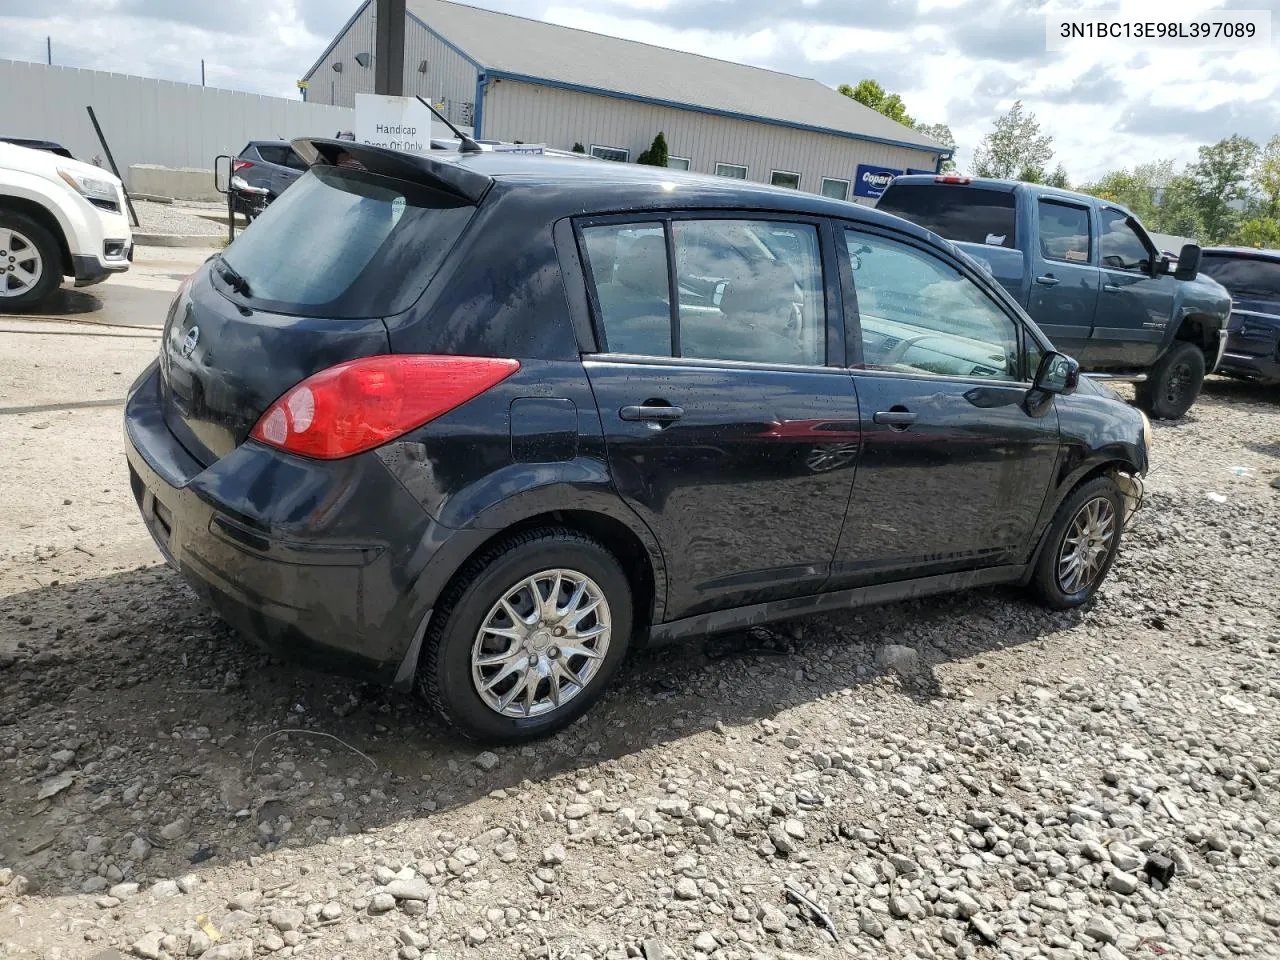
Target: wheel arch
pixel 1200 329
pixel 47 219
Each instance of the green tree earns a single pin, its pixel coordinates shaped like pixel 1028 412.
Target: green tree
pixel 1014 146
pixel 1136 189
pixel 656 155
pixel 1266 177
pixel 1259 232
pixel 1177 211
pixel 579 148
pixel 871 94
pixel 942 134
pixel 1221 176
pixel 1058 178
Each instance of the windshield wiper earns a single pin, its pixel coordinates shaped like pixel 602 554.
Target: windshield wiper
pixel 233 277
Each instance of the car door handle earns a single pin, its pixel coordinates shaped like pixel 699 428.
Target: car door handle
pixel 652 413
pixel 1111 287
pixel 895 418
pixel 1048 280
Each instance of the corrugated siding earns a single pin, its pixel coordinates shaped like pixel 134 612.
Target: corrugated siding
pixel 448 77
pixel 326 86
pixel 558 118
pixel 151 121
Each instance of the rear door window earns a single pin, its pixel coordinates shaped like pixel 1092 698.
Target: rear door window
pixel 274 154
pixel 1246 278
pixel 343 243
pixel 1064 231
pixel 966 214
pixel 633 295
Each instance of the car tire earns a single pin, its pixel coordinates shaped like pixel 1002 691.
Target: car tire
pixel 22 237
pixel 1173 384
pixel 1053 579
pixel 457 661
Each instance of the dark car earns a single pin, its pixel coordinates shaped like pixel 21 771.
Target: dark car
pixel 454 422
pixel 1253 340
pixel 272 164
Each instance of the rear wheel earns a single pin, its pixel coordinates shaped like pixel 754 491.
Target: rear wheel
pixel 30 263
pixel 1173 384
pixel 1081 545
pixel 528 637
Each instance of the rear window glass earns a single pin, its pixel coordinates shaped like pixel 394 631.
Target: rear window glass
pixel 962 213
pixel 343 243
pixel 1246 278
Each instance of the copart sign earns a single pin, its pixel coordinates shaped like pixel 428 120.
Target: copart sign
pixel 871 181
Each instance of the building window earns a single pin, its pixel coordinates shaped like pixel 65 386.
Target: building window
pixel 617 154
pixel 734 170
pixel 678 163
pixel 781 178
pixel 835 189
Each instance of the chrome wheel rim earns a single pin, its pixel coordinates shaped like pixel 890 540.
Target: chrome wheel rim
pixel 541 644
pixel 21 266
pixel 1087 545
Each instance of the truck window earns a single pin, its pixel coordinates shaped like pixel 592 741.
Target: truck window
pixel 1064 231
pixel 1246 278
pixel 1122 248
pixel 966 214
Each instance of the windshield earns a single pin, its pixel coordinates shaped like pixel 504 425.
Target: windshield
pixel 1246 278
pixel 343 243
pixel 958 212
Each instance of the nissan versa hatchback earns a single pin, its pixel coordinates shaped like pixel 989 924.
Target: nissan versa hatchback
pixel 475 424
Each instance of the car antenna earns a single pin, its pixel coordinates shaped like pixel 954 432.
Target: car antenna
pixel 465 143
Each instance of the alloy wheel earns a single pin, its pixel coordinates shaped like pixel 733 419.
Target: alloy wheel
pixel 1087 545
pixel 541 644
pixel 21 265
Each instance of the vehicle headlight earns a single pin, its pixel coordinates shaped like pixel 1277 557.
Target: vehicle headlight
pixel 1147 440
pixel 91 188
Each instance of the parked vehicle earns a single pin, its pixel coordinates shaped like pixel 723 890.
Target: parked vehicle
pixel 1087 272
pixel 58 217
pixel 461 440
pixel 272 164
pixel 47 145
pixel 251 200
pixel 1253 339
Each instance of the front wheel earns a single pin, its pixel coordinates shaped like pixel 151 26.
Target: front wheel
pixel 1174 383
pixel 30 262
pixel 528 637
pixel 1081 545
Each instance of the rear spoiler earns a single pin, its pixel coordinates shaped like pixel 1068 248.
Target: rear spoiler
pixel 446 175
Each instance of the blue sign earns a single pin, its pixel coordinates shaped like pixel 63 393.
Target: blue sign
pixel 871 180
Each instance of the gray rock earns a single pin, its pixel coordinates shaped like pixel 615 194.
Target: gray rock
pixel 656 950
pixel 868 923
pixel 706 942
pixel 905 907
pixel 272 942
pixel 966 906
pixel 123 891
pixel 245 901
pixel 794 828
pixel 286 918
pixel 905 866
pixel 165 888
pixel 578 811
pixel 781 840
pixel 1122 882
pixel 1101 929
pixel 673 806
pixel 686 889
pixel 231 950
pixel 416 889
pixel 412 938
pixel 1110 952
pixel 554 855
pixel 198 943
pixel 486 761
pixel 773 920
pixel 148 945
pixel 331 911
pixel 176 830
pixel 477 936
pixel 983 928
pixel 381 903
pixel 864 872
pixel 901 660
pixel 1126 858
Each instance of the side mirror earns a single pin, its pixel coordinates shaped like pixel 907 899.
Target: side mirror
pixel 1059 374
pixel 1188 262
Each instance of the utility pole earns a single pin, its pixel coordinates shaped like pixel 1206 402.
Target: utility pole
pixel 202 71
pixel 388 48
pixel 48 50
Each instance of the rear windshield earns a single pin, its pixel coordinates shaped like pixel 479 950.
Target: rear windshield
pixel 344 244
pixel 961 213
pixel 1246 278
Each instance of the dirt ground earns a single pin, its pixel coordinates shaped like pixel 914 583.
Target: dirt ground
pixel 1000 787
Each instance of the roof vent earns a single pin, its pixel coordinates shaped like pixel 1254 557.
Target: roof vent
pixel 363 59
pixel 337 66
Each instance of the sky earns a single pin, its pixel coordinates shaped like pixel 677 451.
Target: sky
pixel 960 62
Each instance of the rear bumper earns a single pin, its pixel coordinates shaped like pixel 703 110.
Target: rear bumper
pixel 328 563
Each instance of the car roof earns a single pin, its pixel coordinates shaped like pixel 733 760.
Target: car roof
pixel 1008 186
pixel 1254 253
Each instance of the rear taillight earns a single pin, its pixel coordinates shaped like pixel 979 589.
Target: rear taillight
pixel 952 178
pixel 362 404
pixel 238 165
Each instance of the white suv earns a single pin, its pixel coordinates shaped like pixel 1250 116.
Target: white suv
pixel 58 217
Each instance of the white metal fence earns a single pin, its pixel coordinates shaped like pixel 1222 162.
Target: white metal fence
pixel 150 121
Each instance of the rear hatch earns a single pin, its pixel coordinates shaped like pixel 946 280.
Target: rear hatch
pixel 307 285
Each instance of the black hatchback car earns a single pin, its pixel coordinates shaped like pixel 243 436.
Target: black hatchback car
pixel 1252 277
pixel 473 423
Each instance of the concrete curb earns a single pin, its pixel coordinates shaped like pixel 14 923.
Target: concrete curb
pixel 178 240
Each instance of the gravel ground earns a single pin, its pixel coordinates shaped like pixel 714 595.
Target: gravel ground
pixel 957 777
pixel 175 218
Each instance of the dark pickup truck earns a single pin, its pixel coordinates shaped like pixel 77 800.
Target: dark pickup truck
pixel 1088 274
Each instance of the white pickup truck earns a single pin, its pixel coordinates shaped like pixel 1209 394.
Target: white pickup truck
pixel 58 218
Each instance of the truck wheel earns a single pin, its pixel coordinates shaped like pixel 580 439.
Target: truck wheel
pixel 1174 383
pixel 30 262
